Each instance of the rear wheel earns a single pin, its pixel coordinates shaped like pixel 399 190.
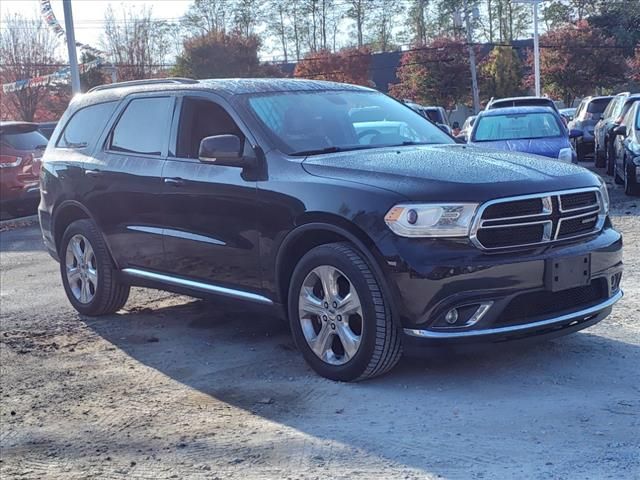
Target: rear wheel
pixel 630 185
pixel 611 158
pixel 600 156
pixel 339 316
pixel 580 152
pixel 88 274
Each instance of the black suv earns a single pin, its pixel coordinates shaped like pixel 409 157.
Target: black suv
pixel 371 237
pixel 589 112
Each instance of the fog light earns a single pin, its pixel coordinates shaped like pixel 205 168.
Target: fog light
pixel 451 317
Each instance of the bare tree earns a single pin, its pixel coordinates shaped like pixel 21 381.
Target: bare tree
pixel 356 12
pixel 26 52
pixel 383 17
pixel 246 16
pixel 137 43
pixel 208 16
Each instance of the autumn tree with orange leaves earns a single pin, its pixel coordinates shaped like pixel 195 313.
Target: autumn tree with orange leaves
pixel 349 65
pixel 576 60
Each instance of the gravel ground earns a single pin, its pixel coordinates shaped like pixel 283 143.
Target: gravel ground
pixel 173 387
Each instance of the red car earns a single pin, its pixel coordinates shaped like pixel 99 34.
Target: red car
pixel 21 147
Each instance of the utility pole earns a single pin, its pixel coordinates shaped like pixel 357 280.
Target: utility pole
pixel 472 60
pixel 71 46
pixel 536 43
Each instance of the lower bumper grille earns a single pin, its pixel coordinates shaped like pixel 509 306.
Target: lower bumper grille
pixel 529 306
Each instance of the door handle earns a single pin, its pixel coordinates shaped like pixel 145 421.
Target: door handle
pixel 175 181
pixel 93 173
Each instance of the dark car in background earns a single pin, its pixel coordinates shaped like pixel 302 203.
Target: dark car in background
pixel 588 114
pixel 567 114
pixel 21 146
pixel 47 128
pixel 262 191
pixel 437 115
pixel 537 130
pixel 603 132
pixel 627 151
pixel 528 101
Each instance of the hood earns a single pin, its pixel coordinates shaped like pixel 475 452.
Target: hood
pixel 450 172
pixel 547 147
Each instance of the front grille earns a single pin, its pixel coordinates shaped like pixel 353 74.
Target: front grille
pixel 575 201
pixel 528 307
pixel 503 237
pixel 517 208
pixel 539 219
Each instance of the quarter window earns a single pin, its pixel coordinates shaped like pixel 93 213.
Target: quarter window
pixel 143 128
pixel 85 125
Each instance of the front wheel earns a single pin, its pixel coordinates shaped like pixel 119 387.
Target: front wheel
pixel 339 316
pixel 88 274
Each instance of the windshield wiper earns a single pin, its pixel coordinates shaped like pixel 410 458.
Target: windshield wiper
pixel 332 149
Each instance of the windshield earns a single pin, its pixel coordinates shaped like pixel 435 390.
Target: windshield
pixel 516 127
pixel 315 122
pixel 25 141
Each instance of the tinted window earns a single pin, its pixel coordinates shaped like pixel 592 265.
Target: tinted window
pixel 516 127
pixel 143 127
pixel 637 118
pixel 85 125
pixel 299 122
pixel 435 115
pixel 598 106
pixel 25 141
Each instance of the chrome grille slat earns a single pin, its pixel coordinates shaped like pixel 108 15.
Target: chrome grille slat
pixel 559 224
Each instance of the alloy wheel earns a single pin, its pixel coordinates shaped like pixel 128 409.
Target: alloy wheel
pixel 81 269
pixel 330 314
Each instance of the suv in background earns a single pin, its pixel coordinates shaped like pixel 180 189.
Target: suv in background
pixel 437 115
pixel 627 151
pixel 589 112
pixel 47 128
pixel 604 137
pixel 372 241
pixel 21 146
pixel 521 102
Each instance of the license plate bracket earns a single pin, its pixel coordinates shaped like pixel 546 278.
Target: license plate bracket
pixel 565 273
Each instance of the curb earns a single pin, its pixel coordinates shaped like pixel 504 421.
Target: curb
pixel 18 222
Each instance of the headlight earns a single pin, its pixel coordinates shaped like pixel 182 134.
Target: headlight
pixel 565 155
pixel 604 193
pixel 431 220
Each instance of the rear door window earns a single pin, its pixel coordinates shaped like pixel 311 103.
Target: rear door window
pixel 85 125
pixel 598 106
pixel 143 128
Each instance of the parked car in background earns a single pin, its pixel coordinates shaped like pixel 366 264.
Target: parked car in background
pixel 589 112
pixel 467 126
pixel 261 191
pixel 437 115
pixel 537 130
pixel 529 101
pixel 627 151
pixel 47 128
pixel 21 146
pixel 567 114
pixel 603 131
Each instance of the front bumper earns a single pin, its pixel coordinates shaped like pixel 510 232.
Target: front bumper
pixel 435 277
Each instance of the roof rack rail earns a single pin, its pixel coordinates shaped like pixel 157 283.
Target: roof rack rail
pixel 149 81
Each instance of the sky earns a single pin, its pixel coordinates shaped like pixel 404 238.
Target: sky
pixel 88 15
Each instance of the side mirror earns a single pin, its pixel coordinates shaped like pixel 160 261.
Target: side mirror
pixel 575 133
pixel 620 130
pixel 223 150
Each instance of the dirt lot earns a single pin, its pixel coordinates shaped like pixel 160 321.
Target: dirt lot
pixel 172 387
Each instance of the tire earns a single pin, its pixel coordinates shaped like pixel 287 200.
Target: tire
pixel 580 153
pixel 610 158
pixel 630 186
pixel 378 343
pixel 600 157
pixel 103 294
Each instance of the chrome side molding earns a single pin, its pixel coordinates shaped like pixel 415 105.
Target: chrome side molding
pixel 204 287
pixel 515 328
